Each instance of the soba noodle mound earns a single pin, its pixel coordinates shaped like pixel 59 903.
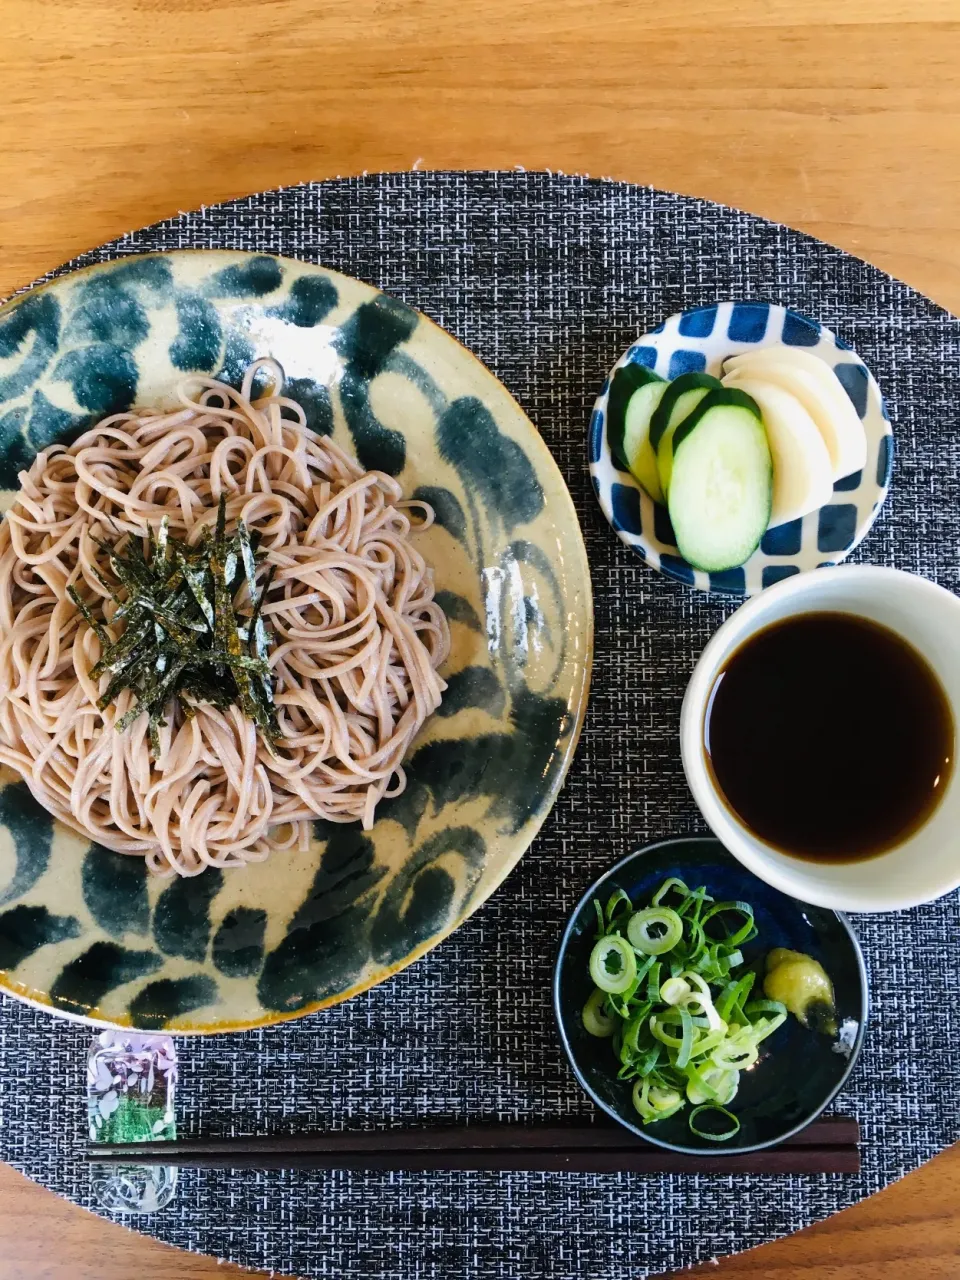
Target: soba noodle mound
pixel 355 635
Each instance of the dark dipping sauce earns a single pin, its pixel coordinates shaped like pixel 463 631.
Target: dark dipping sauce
pixel 829 736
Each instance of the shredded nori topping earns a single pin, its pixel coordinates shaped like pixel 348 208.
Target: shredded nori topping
pixel 183 638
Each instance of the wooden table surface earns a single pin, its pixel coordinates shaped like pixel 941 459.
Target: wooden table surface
pixel 841 117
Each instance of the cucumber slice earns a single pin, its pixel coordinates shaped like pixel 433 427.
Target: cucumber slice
pixel 677 388
pixel 721 489
pixel 625 382
pixel 678 401
pixel 637 449
pixel 682 409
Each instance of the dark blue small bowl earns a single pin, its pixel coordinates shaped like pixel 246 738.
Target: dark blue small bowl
pixel 799 1072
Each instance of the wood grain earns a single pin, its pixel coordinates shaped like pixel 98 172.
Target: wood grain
pixel 119 112
pixel 908 1232
pixel 841 117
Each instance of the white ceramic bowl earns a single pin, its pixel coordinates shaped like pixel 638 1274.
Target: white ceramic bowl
pixel 924 866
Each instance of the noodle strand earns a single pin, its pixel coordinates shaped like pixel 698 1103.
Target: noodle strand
pixel 357 635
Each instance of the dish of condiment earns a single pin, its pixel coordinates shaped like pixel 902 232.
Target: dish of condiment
pixel 738 444
pixel 802 985
pixel 818 734
pixel 682 1007
pixel 760 448
pixel 798 785
pixel 664 1011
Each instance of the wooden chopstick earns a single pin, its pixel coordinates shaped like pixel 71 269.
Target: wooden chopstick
pixel 826 1146
pixel 792 1160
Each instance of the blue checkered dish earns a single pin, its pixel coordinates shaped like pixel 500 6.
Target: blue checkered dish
pixel 701 340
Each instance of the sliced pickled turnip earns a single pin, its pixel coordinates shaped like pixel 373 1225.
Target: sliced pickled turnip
pixel 802 472
pixel 818 389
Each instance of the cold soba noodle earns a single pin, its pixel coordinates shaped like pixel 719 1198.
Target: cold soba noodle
pixel 355 635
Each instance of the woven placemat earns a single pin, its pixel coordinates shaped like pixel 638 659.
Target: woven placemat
pixel 547 279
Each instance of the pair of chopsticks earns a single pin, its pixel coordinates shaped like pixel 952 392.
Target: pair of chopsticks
pixel 826 1146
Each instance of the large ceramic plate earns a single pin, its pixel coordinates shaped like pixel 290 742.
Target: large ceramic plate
pixel 87 932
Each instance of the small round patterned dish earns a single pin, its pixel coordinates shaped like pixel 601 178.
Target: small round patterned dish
pixel 699 341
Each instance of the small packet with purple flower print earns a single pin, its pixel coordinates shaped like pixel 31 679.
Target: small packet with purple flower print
pixel 131 1086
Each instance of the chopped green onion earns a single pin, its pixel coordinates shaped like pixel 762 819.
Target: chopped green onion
pixel 700 1001
pixel 621 1002
pixel 686 1044
pixel 630 1044
pixel 650 1060
pixel 673 995
pixel 672 883
pixel 694 904
pixel 653 981
pixel 732 998
pixel 743 934
pixel 618 903
pixel 712 1084
pixel 735 1054
pixel 654 931
pixel 664 1100
pixel 641 1094
pixel 658 1029
pixel 655 1102
pixel 764 1027
pixel 596 1020
pixel 765 1006
pixel 674 991
pixel 707 1042
pixel 733 1126
pixel 613 965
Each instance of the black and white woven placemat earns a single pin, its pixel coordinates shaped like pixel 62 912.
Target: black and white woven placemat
pixel 547 279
